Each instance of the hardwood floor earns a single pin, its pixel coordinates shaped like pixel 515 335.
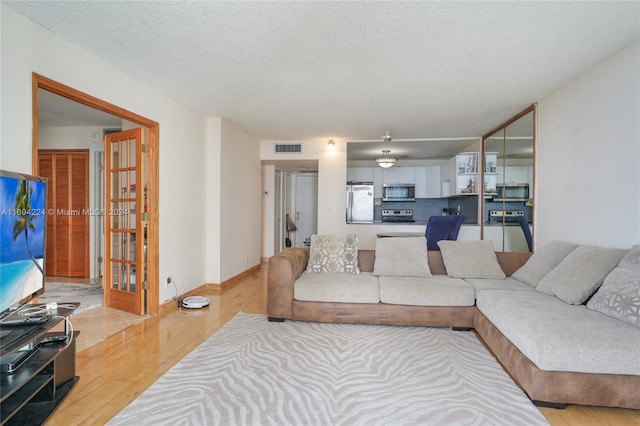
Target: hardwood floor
pixel 115 371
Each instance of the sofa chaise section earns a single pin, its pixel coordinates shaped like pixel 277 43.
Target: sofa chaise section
pixel 563 343
pixel 558 388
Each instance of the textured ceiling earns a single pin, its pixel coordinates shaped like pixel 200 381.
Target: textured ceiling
pixel 352 70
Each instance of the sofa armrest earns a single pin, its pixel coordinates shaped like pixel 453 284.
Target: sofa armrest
pixel 284 268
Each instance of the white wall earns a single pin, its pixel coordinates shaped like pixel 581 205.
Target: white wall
pixel 240 201
pixel 588 156
pixel 234 201
pixel 26 48
pixel 212 199
pixel 268 210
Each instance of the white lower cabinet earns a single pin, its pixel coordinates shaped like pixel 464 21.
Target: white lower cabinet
pixel 507 238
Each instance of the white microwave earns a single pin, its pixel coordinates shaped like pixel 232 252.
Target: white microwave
pixel 398 192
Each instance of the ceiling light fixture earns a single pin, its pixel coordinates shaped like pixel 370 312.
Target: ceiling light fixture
pixel 385 161
pixel 387 137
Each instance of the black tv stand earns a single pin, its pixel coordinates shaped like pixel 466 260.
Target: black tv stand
pixel 38 385
pixel 11 363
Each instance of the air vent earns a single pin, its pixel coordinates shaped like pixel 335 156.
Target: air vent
pixel 288 148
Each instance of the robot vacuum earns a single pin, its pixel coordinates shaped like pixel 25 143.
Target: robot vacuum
pixel 195 302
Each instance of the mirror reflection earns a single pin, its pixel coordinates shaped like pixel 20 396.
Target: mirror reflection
pixel 423 181
pixel 489 181
pixel 508 185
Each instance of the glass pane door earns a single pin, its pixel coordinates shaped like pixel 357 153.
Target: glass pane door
pixel 125 235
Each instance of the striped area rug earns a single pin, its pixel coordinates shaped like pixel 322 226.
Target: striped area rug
pixel 253 372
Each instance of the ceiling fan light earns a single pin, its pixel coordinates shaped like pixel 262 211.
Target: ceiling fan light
pixel 385 161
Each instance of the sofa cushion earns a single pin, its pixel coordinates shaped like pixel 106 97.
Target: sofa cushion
pixel 343 288
pixel 333 254
pixel 543 261
pixel 470 259
pixel 401 257
pixel 556 336
pixel 481 284
pixel 580 274
pixel 438 290
pixel 619 296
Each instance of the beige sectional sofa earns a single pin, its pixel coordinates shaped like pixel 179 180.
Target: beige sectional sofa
pixel 534 317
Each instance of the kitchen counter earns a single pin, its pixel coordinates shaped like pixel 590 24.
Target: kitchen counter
pixel 400 234
pixel 369 234
pixel 415 222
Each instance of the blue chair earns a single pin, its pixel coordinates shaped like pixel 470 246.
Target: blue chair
pixel 527 232
pixel 455 229
pixel 442 228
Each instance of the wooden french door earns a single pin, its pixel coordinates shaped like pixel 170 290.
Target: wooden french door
pixel 68 213
pixel 125 281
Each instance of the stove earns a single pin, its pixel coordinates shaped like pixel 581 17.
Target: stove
pixel 507 216
pixel 401 215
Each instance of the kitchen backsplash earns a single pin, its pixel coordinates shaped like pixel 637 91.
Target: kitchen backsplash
pixel 423 208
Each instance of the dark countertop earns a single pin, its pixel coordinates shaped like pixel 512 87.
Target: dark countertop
pixel 399 234
pixel 415 222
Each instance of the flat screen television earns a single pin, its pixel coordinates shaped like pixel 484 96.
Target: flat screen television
pixel 23 207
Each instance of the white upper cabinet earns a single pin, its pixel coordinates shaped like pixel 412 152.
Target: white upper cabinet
pixel 398 175
pixel 427 182
pixel 360 174
pixel 407 174
pixel 514 174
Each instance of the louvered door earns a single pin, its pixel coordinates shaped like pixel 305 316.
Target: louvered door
pixel 68 211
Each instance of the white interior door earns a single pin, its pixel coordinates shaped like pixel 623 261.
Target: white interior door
pixel 306 217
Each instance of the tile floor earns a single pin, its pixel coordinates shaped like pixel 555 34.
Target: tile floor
pixel 96 324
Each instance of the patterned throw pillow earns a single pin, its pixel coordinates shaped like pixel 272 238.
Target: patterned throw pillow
pixel 619 296
pixel 334 254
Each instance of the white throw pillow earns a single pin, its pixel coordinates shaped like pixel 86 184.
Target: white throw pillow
pixel 543 261
pixel 401 257
pixel 333 253
pixel 580 274
pixel 470 259
pixel 619 296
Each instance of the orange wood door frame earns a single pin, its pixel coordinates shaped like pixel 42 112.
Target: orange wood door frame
pixel 153 141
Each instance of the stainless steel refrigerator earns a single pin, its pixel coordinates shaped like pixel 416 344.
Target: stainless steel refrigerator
pixel 360 202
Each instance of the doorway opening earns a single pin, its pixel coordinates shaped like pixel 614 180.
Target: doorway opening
pixel 151 191
pixel 306 201
pixel 291 215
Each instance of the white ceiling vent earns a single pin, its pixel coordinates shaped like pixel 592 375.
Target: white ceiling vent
pixel 287 148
